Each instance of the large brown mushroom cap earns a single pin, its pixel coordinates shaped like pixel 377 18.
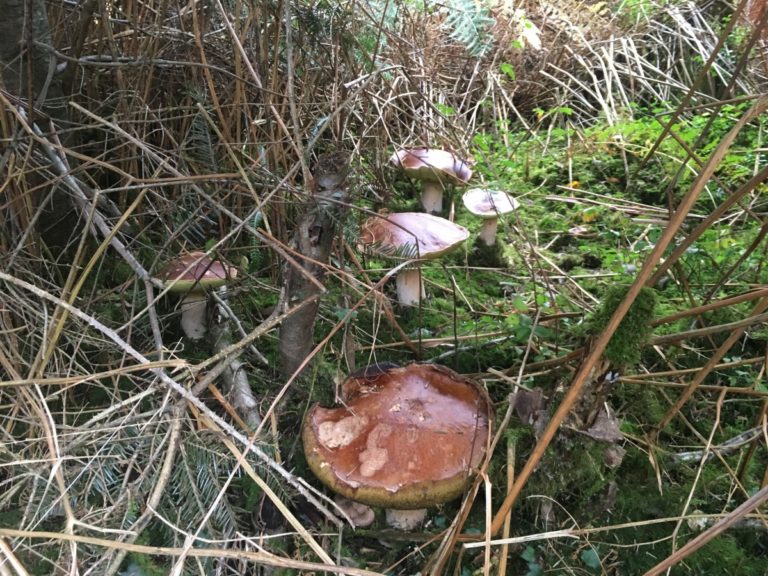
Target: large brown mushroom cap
pixel 432 165
pixel 195 271
pixel 406 437
pixel 401 233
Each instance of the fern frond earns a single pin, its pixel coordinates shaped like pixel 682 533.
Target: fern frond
pixel 469 23
pixel 198 144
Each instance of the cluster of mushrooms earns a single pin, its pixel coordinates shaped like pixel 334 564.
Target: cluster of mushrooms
pixel 408 438
pixel 424 235
pixel 405 438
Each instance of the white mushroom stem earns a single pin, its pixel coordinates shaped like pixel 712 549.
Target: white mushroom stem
pixel 432 197
pixel 405 519
pixel 193 316
pixel 488 231
pixel 410 289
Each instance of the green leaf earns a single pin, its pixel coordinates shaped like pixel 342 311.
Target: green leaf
pixel 444 110
pixel 590 558
pixel 341 314
pixel 508 69
pixel 520 304
pixel 534 570
pixel 529 554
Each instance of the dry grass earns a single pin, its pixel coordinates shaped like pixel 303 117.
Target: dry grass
pixel 187 124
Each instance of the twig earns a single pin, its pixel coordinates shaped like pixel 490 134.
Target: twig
pixel 234 374
pixel 600 343
pixel 163 477
pixel 197 552
pixel 728 447
pixel 304 489
pixel 232 317
pixel 732 518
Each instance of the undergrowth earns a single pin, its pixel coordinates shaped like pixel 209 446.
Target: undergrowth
pixel 122 447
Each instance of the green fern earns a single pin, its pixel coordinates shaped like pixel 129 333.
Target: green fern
pixel 469 22
pixel 198 146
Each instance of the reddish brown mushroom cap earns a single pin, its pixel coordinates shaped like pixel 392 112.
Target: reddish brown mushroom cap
pixel 406 438
pixel 401 233
pixel 195 271
pixel 432 165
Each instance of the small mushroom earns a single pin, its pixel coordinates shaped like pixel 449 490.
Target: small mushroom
pixel 411 235
pixel 359 514
pixel 192 275
pixel 405 439
pixel 489 205
pixel 436 169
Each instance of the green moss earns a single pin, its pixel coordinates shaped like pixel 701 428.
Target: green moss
pixel 574 473
pixel 635 328
pixel 485 256
pixel 145 565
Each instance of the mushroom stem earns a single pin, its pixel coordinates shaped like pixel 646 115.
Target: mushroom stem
pixel 410 290
pixel 488 231
pixel 432 197
pixel 193 316
pixel 405 519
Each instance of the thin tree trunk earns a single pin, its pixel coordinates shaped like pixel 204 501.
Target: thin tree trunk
pixel 28 66
pixel 313 240
pixel 28 71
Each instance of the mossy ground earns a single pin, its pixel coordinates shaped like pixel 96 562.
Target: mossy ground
pixel 491 310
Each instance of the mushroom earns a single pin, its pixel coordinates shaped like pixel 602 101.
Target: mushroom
pixel 405 438
pixel 411 235
pixel 436 169
pixel 489 205
pixel 193 275
pixel 359 514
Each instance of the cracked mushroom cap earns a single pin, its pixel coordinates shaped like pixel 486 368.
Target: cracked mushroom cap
pixel 487 203
pixel 195 271
pixel 400 233
pixel 432 165
pixel 406 437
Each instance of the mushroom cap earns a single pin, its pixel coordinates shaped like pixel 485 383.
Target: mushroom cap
pixel 487 203
pixel 412 234
pixel 432 165
pixel 405 438
pixel 195 271
pixel 360 514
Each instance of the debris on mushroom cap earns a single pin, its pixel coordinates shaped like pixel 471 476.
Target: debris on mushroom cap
pixel 419 433
pixel 398 234
pixel 488 203
pixel 196 271
pixel 432 165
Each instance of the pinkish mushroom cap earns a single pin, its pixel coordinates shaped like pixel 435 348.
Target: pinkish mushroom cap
pixel 436 169
pixel 489 205
pixel 361 515
pixel 192 275
pixel 411 235
pixel 432 165
pixel 414 234
pixel 406 437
